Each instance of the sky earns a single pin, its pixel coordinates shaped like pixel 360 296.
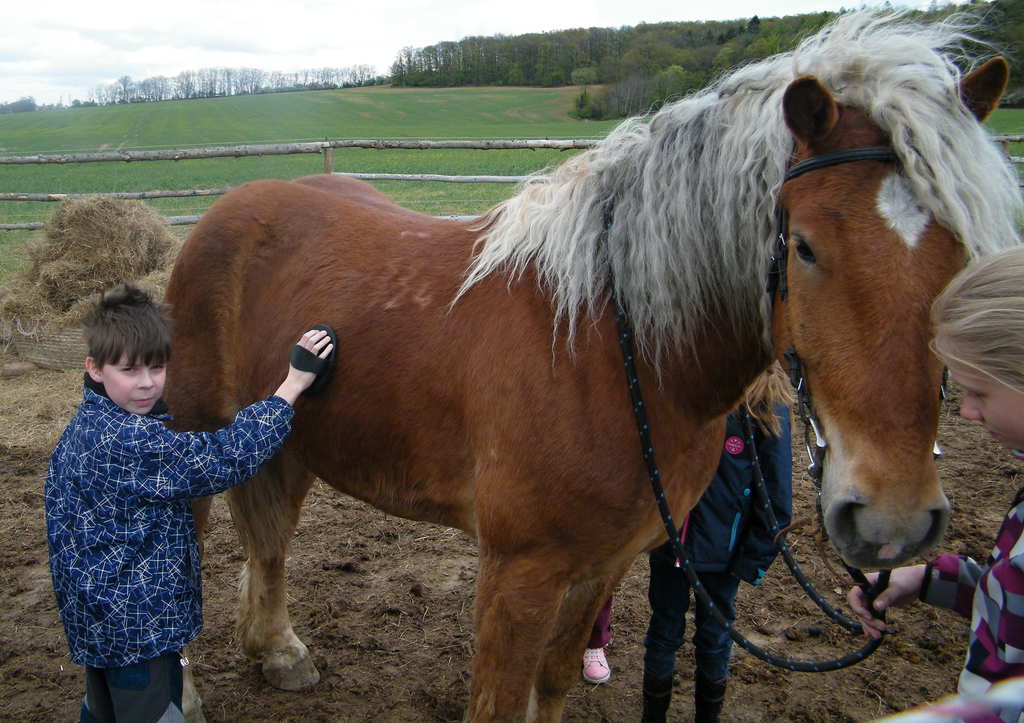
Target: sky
pixel 61 50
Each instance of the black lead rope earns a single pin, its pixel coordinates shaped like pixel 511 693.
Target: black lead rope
pixel 640 413
pixel 777 284
pixel 870 591
pixel 816 469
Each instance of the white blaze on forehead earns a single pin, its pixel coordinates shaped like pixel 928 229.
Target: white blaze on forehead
pixel 901 211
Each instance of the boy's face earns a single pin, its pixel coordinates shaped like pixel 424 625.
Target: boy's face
pixel 131 385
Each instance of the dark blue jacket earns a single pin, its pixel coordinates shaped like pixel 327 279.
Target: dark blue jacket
pixel 122 542
pixel 727 532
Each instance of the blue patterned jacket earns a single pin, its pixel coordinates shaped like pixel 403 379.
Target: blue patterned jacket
pixel 123 551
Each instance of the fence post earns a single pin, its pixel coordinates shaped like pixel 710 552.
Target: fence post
pixel 328 160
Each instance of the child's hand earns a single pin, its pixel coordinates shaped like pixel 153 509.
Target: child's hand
pixel 317 342
pixel 903 589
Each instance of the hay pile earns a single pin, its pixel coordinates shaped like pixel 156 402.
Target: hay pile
pixel 87 245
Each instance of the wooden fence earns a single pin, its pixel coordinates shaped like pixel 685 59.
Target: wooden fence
pixel 326 148
pixel 272 149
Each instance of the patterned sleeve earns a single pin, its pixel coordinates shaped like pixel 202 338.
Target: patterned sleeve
pixel 950 581
pixel 993 597
pixel 1003 607
pixel 174 465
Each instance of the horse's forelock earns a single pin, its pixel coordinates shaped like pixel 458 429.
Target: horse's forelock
pixel 906 76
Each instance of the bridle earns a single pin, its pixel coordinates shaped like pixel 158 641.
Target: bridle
pixel 777 287
pixel 778 290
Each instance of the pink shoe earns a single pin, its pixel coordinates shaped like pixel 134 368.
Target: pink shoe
pixel 595 666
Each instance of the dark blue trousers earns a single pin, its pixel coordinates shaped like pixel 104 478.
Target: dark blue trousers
pixel 669 594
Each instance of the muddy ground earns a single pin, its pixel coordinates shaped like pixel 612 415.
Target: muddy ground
pixel 385 606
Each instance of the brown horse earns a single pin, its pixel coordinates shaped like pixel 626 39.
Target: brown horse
pixel 480 384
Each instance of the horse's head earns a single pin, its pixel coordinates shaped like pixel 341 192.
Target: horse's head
pixel 864 262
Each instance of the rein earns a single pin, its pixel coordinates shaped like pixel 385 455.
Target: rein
pixel 777 287
pixel 639 411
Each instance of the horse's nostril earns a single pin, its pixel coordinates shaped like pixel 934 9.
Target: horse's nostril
pixel 844 521
pixel 940 518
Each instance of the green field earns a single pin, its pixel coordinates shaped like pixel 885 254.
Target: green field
pixel 377 112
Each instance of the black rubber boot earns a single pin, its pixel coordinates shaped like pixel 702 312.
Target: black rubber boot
pixel 657 696
pixel 708 697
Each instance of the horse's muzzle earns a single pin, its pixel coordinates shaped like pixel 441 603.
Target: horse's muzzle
pixel 875 536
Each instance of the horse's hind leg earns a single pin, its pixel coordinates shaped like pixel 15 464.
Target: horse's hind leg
pixel 516 601
pixel 266 511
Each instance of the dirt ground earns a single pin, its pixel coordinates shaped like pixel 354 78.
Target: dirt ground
pixel 385 606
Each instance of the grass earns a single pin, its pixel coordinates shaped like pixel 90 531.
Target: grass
pixel 459 113
pixel 1008 122
pixel 378 112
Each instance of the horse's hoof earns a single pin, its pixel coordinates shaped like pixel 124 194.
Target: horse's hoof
pixel 282 670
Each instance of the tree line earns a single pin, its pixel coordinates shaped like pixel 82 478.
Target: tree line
pixel 212 83
pixel 623 71
pixel 221 82
pixel 633 69
pixel 598 55
pixel 22 105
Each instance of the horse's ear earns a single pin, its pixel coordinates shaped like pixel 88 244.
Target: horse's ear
pixel 982 88
pixel 809 109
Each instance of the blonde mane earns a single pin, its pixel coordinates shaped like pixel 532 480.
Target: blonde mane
pixel 694 189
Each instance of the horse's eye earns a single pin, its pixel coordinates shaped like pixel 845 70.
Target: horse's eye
pixel 804 251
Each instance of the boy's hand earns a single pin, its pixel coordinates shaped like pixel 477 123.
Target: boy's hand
pixel 319 343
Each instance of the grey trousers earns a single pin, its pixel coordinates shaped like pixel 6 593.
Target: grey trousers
pixel 146 692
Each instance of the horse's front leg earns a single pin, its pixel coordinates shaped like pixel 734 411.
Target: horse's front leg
pixel 265 511
pixel 517 600
pixel 191 703
pixel 559 667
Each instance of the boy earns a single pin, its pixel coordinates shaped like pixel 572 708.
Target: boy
pixel 123 551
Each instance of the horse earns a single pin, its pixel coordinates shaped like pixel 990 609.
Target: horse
pixel 480 384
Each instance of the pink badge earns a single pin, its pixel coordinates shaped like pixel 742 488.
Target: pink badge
pixel 734 445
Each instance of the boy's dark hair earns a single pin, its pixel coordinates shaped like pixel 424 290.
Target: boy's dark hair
pixel 127 324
